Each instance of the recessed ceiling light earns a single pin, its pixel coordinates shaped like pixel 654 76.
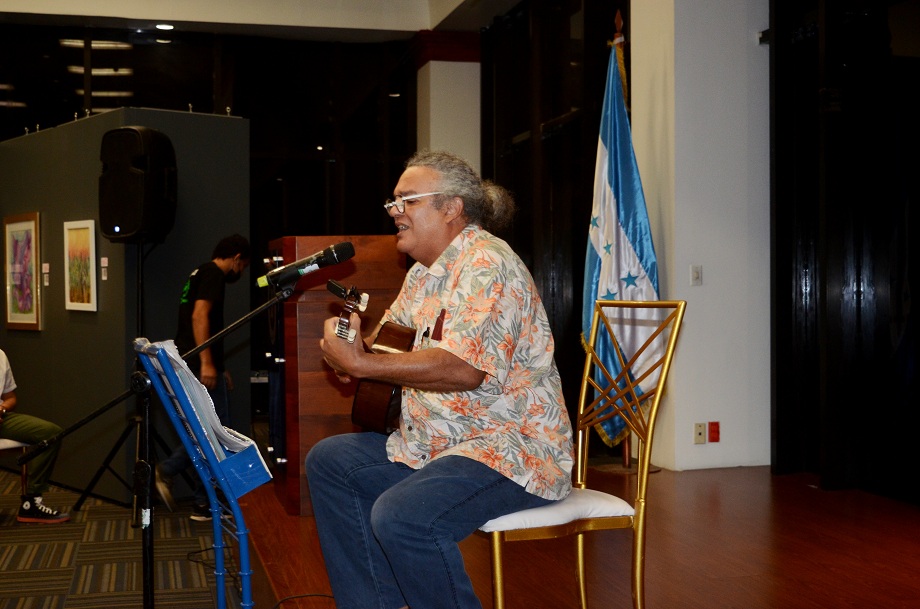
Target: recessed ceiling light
pixel 102 71
pixel 164 26
pixel 99 45
pixel 81 92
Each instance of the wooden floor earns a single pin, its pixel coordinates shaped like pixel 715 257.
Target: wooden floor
pixel 716 538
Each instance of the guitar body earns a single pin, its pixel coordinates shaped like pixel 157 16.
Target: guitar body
pixel 377 404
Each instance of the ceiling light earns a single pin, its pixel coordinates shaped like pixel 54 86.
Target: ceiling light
pixel 107 93
pixel 98 45
pixel 12 104
pixel 164 26
pixel 113 93
pixel 163 41
pixel 102 71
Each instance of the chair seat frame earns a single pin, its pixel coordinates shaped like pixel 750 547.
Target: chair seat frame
pixel 5 445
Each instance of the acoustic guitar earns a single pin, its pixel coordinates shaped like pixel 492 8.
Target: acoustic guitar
pixel 377 404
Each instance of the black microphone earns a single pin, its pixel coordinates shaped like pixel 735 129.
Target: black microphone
pixel 290 273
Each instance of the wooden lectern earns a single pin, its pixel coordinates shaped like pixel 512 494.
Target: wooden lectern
pixel 317 405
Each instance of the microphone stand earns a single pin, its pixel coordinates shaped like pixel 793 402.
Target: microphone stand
pixel 281 294
pixel 140 385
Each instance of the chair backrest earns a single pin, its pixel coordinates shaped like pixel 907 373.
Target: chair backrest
pixel 628 356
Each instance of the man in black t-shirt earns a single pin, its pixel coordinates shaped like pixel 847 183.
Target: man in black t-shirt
pixel 201 316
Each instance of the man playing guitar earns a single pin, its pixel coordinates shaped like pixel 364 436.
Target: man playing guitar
pixel 482 430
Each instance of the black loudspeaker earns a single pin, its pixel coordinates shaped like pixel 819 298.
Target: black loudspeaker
pixel 137 188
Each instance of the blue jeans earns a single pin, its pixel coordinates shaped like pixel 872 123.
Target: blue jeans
pixel 179 460
pixel 389 533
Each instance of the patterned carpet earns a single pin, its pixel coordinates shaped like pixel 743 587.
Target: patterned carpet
pixel 95 560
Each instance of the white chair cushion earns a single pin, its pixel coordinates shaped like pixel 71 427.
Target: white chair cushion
pixel 7 444
pixel 581 503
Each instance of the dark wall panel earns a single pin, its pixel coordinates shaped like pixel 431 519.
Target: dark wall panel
pixel 81 360
pixel 844 181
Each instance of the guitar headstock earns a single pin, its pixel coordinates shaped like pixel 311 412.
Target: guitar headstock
pixel 354 301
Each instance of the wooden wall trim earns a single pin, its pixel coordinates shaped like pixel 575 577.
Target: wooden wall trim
pixel 429 45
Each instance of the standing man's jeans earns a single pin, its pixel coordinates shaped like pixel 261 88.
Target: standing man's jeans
pixel 179 460
pixel 389 533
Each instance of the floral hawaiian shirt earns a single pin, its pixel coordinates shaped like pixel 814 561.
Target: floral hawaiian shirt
pixel 479 302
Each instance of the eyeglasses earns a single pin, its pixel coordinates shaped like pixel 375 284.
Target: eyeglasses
pixel 400 202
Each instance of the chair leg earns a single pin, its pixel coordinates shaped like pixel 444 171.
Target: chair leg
pixel 638 573
pixel 580 570
pixel 498 582
pixel 24 476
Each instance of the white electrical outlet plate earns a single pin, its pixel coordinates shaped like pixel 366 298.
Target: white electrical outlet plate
pixel 699 433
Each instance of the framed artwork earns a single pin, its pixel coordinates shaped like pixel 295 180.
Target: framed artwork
pixel 80 265
pixel 23 304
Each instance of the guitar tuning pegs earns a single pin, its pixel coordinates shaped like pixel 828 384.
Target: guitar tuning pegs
pixel 364 300
pixel 352 334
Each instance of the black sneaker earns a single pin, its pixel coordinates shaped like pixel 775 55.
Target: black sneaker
pixel 201 513
pixel 164 489
pixel 33 510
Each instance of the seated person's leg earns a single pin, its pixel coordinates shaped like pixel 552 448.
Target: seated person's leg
pixel 26 428
pixel 346 474
pixel 420 522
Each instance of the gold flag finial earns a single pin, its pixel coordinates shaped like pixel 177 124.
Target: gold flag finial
pixel 618 37
pixel 618 41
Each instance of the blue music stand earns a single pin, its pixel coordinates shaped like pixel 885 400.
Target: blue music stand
pixel 224 459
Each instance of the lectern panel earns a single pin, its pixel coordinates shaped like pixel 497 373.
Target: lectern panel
pixel 316 404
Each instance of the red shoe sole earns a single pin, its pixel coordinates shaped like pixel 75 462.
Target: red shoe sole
pixel 28 520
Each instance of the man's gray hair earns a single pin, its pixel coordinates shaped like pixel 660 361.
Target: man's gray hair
pixel 484 202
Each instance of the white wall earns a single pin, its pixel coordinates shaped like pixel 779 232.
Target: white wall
pixel 700 116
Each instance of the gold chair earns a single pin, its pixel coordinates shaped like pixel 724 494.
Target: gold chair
pixel 634 394
pixel 22 446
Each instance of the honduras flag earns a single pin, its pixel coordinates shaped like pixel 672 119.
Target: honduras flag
pixel 620 263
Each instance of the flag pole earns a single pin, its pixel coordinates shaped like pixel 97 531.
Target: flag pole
pixel 620 261
pixel 618 40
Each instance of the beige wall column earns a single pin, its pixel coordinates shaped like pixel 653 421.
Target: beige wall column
pixel 700 125
pixel 449 114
